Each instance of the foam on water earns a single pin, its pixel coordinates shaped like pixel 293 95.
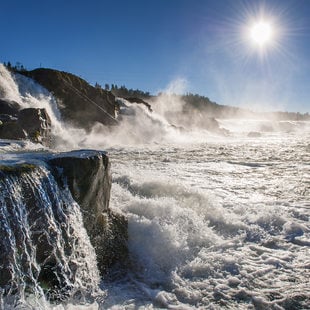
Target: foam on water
pixel 212 226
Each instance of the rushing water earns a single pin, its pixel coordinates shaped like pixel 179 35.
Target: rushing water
pixel 220 224
pixel 41 230
pixel 214 222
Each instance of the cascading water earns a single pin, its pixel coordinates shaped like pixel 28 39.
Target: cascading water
pixel 29 94
pixel 8 87
pixel 43 243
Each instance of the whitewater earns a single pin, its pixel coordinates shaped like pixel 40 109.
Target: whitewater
pixel 214 222
pixel 220 224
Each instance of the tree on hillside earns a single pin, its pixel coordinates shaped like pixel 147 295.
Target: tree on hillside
pixel 97 85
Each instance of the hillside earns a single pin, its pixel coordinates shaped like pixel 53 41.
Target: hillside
pixel 79 103
pixel 82 104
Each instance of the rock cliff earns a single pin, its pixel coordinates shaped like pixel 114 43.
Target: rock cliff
pixel 42 245
pixel 79 103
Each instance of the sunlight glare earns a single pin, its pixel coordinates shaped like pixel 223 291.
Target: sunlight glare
pixel 261 33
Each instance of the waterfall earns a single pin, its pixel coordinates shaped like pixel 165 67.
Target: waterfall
pixel 45 250
pixel 28 94
pixel 8 87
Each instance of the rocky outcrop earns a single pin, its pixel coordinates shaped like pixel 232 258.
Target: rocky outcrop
pixel 32 123
pixel 11 129
pixel 89 181
pixel 40 240
pixel 79 103
pixel 9 107
pixel 36 123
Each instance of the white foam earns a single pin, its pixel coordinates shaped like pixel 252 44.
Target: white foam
pixel 8 87
pixel 210 227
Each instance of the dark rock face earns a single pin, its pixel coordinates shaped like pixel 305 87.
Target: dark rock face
pixel 31 123
pixel 12 130
pixel 89 181
pixel 79 103
pixel 8 107
pixel 89 178
pixel 39 242
pixel 36 123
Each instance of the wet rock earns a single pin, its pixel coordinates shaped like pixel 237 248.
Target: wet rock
pixel 36 123
pixel 286 126
pixel 31 123
pixel 12 130
pixel 38 241
pixel 89 180
pixel 4 118
pixel 9 107
pixel 267 128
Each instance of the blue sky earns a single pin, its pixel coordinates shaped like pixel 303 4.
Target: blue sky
pixel 150 44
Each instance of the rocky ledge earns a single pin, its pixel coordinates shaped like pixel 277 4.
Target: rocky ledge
pixel 87 175
pixel 39 242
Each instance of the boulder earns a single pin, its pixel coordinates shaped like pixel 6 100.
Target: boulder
pixel 195 119
pixel 286 126
pixel 9 107
pixel 4 118
pixel 37 123
pixel 31 123
pixel 268 127
pixel 12 130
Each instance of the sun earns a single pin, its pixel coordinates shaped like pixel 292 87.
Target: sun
pixel 262 33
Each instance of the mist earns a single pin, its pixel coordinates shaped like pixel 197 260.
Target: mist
pixel 171 121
